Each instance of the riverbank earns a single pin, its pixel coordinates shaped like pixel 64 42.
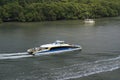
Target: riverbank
pixel 38 10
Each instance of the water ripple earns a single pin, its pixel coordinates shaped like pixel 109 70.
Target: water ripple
pixel 81 70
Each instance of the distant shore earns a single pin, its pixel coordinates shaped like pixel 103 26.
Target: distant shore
pixel 39 10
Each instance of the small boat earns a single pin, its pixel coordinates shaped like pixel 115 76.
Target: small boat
pixel 89 21
pixel 52 48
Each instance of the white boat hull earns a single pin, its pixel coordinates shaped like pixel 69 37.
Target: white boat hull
pixel 91 21
pixel 53 48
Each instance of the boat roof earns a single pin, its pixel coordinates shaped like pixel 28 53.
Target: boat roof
pixel 59 41
pixel 55 44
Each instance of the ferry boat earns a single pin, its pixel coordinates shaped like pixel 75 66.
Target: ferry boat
pixel 56 47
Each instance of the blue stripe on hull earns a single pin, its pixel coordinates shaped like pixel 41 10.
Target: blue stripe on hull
pixel 57 51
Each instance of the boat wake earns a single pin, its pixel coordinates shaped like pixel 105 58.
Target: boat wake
pixel 84 69
pixel 69 72
pixel 14 55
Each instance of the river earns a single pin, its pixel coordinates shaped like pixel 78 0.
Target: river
pixel 98 60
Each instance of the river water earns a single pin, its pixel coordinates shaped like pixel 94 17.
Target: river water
pixel 98 60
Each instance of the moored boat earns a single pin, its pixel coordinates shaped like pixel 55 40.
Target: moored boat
pixel 91 21
pixel 56 47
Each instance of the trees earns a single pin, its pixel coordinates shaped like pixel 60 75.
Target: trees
pixel 0 15
pixel 11 12
pixel 41 10
pixel 34 12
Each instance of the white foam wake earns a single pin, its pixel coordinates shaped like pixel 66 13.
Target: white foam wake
pixel 14 55
pixel 81 70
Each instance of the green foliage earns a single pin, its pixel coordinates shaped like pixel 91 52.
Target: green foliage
pixel 11 12
pixel 41 10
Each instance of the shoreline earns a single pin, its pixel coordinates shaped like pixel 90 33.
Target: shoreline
pixel 53 20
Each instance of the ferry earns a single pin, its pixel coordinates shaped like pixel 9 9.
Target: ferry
pixel 57 47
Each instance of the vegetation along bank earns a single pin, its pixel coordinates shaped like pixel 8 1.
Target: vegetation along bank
pixel 49 10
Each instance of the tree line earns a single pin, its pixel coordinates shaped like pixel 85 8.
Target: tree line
pixel 49 10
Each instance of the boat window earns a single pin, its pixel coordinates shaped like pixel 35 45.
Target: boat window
pixel 45 48
pixel 60 48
